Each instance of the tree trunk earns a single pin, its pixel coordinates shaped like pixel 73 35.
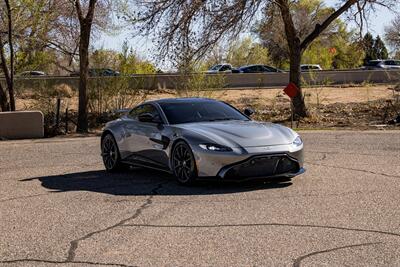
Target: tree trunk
pixel 84 39
pixel 3 99
pixel 295 51
pixel 82 126
pixel 10 81
pixel 299 106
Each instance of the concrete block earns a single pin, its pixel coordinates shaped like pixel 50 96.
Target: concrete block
pixel 21 124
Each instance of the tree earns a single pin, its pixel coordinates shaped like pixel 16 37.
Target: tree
pixel 8 70
pixel 85 22
pixel 190 28
pixel 380 50
pixel 332 49
pixel 374 48
pixel 368 44
pixel 306 14
pixel 392 34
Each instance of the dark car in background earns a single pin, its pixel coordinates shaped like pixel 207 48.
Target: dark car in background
pixel 98 72
pixel 258 69
pixel 382 64
pixel 32 73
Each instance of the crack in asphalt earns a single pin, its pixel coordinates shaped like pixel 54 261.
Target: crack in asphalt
pixel 197 201
pixel 75 243
pixel 66 262
pixel 354 169
pixel 264 224
pixel 297 261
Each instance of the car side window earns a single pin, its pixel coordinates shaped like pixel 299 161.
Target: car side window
pixel 225 68
pixel 134 113
pixel 269 69
pixel 146 108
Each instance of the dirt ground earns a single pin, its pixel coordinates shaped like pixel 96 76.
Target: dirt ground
pixel 360 107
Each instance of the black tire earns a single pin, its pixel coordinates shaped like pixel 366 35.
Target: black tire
pixel 110 154
pixel 183 163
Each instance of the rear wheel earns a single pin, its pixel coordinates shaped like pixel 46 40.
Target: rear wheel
pixel 183 163
pixel 110 154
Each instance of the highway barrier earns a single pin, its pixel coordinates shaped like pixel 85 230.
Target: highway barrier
pixel 225 81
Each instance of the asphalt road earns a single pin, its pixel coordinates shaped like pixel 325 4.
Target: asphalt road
pixel 58 207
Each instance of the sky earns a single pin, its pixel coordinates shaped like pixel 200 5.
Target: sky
pixel 144 46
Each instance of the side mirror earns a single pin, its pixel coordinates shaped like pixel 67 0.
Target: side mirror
pixel 148 117
pixel 248 111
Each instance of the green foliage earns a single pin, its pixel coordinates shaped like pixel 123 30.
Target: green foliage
pixel 374 48
pixel 126 62
pixel 104 58
pixel 380 50
pixel 318 54
pixel 246 51
pixel 200 85
pixel 37 60
pixel 348 56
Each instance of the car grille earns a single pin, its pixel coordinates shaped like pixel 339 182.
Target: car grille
pixel 260 167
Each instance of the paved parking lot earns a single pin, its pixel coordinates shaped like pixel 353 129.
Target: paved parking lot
pixel 59 207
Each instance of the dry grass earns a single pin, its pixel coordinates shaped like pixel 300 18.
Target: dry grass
pixel 240 97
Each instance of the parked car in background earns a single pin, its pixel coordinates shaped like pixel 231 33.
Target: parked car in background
pixel 310 67
pixel 98 72
pixel 32 73
pixel 258 69
pixel 225 67
pixel 382 64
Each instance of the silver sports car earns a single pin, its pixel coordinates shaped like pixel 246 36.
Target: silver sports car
pixel 196 138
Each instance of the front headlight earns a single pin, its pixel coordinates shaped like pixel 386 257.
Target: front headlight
pixel 215 147
pixel 298 141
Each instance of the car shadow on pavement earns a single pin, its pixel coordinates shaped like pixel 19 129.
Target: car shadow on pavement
pixel 143 182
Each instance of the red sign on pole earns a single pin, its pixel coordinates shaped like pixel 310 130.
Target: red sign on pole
pixel 291 90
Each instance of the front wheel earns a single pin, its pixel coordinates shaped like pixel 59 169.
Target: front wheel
pixel 110 154
pixel 183 163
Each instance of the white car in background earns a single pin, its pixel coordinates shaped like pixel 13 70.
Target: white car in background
pixel 224 67
pixel 310 67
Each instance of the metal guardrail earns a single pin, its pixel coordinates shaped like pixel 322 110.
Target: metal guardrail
pixel 229 80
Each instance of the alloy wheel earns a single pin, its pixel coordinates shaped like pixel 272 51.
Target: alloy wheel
pixel 183 163
pixel 110 153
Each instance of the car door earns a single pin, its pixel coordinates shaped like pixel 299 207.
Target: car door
pixel 145 140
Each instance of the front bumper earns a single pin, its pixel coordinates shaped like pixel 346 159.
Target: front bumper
pixel 266 162
pixel 262 166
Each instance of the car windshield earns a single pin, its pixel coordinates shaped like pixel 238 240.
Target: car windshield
pixel 216 67
pixel 200 111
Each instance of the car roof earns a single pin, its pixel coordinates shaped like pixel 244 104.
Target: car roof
pixel 181 100
pixel 253 65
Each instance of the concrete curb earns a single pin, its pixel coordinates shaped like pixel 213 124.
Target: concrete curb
pixel 21 125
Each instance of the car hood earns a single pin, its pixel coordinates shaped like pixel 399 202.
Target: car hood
pixel 236 133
